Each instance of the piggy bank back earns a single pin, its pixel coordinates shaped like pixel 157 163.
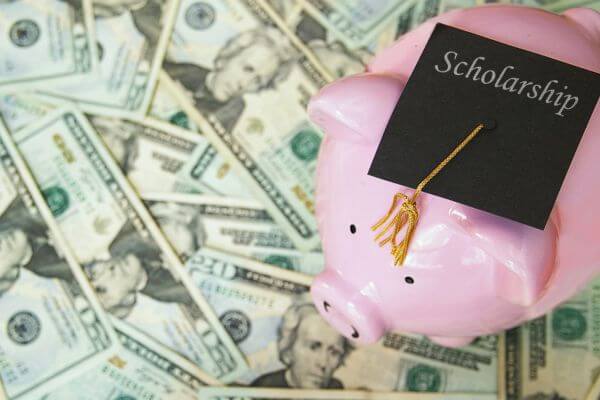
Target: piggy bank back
pixel 467 273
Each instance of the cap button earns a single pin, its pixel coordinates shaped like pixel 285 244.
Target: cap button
pixel 489 123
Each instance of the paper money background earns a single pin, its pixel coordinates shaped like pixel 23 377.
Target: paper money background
pixel 157 230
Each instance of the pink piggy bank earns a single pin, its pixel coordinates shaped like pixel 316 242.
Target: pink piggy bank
pixel 467 272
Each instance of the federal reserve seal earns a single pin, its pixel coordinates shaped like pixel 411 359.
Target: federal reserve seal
pixel 180 119
pixel 279 260
pixel 23 327
pixel 24 33
pixel 568 324
pixel 200 15
pixel 57 199
pixel 237 324
pixel 423 378
pixel 305 145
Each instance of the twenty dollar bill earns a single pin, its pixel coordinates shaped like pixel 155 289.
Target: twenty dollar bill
pixel 134 271
pixel 142 370
pixel 228 68
pixel 132 38
pixel 269 313
pixel 50 318
pixel 238 226
pixel 46 42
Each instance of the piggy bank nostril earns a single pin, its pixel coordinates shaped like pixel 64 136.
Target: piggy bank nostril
pixel 327 306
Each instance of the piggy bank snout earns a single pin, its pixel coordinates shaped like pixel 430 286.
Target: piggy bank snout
pixel 351 313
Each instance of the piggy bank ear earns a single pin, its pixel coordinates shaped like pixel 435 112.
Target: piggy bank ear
pixel 587 19
pixel 356 108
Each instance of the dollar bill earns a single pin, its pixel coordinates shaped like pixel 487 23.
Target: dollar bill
pixel 244 393
pixel 142 370
pixel 19 110
pixel 155 156
pixel 50 318
pixel 556 356
pixel 165 107
pixel 238 226
pixel 149 153
pixel 134 271
pixel 266 309
pixel 321 40
pixel 418 12
pixel 46 42
pixel 160 157
pixel 132 38
pixel 563 5
pixel 524 365
pixel 205 170
pixel 228 70
pixel 357 22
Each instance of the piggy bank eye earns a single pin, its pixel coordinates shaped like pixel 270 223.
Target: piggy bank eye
pixel 409 280
pixel 353 229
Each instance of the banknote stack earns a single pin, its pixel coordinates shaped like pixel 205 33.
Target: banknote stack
pixel 157 229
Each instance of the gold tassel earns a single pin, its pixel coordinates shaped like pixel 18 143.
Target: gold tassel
pixel 408 214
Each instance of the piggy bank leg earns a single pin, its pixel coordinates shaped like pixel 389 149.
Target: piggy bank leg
pixel 450 341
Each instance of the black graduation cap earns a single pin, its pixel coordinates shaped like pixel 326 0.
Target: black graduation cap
pixel 533 110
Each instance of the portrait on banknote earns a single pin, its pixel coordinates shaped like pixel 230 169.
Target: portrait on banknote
pixel 330 51
pixel 120 138
pixel 310 350
pixel 181 224
pixel 25 243
pixel 148 155
pixel 250 62
pixel 144 14
pixel 134 268
pixel 339 60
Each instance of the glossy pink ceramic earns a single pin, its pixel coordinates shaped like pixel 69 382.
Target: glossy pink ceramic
pixel 473 273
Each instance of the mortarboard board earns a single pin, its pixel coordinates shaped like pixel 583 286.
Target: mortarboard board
pixel 533 110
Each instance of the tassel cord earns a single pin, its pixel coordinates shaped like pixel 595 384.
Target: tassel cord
pixel 408 214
